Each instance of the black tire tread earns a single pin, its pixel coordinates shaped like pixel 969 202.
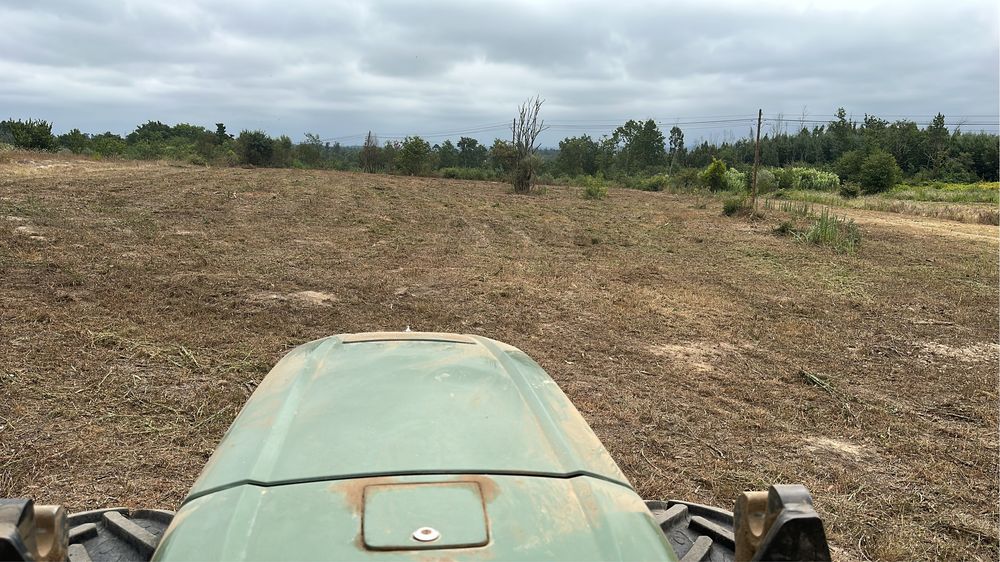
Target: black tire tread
pixel 697 532
pixel 116 534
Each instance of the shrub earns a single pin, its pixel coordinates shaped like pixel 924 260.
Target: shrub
pixel 254 148
pixel 144 150
pixel 879 172
pixel 786 178
pixel 806 178
pixel 849 190
pixel 840 234
pixel 686 178
pixel 714 176
pixel 848 166
pixel 414 156
pixel 735 180
pixel 810 178
pixel 786 228
pixel 479 174
pixel 734 206
pixel 31 134
pixel 594 187
pixel 659 182
pixel 766 181
pixel 281 152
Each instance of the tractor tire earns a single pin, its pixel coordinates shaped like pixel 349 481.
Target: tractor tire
pixel 116 535
pixel 697 532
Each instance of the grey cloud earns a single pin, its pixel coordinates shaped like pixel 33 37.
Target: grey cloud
pixel 341 68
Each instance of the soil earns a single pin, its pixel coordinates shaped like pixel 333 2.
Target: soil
pixel 141 303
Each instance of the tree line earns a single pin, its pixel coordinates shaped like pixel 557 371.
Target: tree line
pixel 855 151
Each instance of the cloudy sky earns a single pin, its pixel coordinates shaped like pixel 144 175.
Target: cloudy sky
pixel 445 68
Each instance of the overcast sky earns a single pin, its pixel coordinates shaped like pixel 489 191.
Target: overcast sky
pixel 431 68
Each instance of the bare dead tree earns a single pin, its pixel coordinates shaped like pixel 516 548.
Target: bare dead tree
pixel 524 138
pixel 368 158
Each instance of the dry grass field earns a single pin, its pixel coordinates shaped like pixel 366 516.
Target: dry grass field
pixel 140 303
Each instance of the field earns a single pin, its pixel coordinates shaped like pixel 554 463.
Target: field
pixel 140 303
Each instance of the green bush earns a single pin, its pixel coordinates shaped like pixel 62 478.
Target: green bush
pixel 479 174
pixel 849 190
pixel 806 178
pixel 848 166
pixel 144 150
pixel 686 178
pixel 594 187
pixel 786 178
pixel 31 134
pixel 254 148
pixel 735 180
pixel 714 176
pixel 810 178
pixel 879 172
pixel 659 182
pixel 766 181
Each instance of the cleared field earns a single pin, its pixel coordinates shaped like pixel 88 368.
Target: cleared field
pixel 141 303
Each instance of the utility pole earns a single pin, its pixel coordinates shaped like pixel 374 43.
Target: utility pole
pixel 756 161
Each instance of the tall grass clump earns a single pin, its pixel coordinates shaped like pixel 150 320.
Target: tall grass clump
pixel 733 206
pixel 840 234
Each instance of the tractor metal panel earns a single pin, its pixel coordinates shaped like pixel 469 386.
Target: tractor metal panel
pixel 529 518
pixel 413 403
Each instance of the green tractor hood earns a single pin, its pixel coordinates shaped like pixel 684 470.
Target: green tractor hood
pixel 411 445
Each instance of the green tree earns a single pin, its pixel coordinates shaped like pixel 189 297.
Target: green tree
pixel 677 151
pixel 150 132
pixel 714 176
pixel 310 151
pixel 937 144
pixel 282 152
pixel 502 157
pixel 842 135
pixel 414 156
pixel 221 136
pixel 471 154
pixel 107 144
pixel 639 146
pixel 254 148
pixel 74 140
pixel 447 154
pixel 879 172
pixel 390 156
pixel 577 155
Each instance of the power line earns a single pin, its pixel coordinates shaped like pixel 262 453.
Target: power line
pixel 703 122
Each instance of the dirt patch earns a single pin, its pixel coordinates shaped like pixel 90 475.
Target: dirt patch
pixel 974 353
pixel 700 356
pixel 30 232
pixel 843 448
pixel 306 298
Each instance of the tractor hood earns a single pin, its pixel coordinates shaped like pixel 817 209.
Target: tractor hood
pixel 471 517
pixel 393 404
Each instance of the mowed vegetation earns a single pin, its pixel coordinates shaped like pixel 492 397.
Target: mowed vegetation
pixel 142 302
